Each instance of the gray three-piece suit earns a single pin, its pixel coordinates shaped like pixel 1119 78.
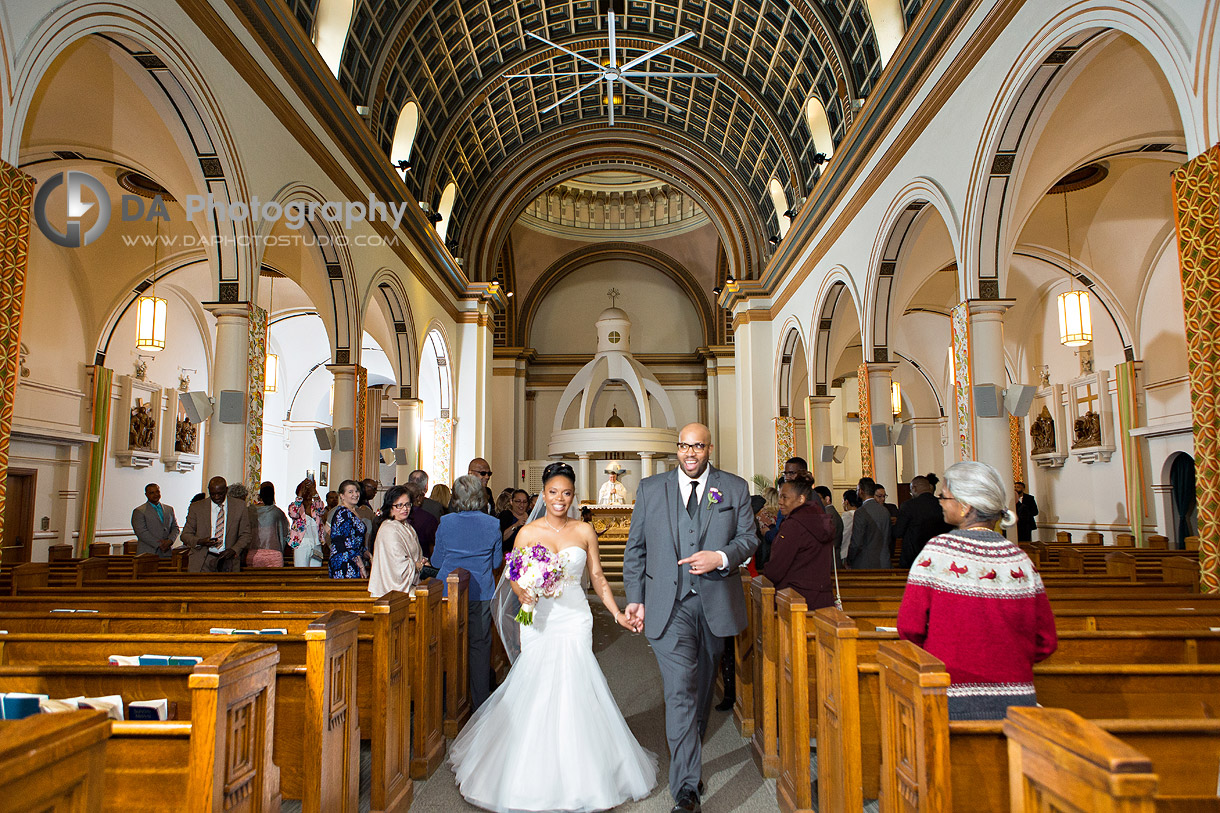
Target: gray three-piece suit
pixel 687 618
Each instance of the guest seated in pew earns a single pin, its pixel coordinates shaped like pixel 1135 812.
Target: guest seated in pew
pixel 469 538
pixel 397 556
pixel 803 555
pixel 346 532
pixel 268 530
pixel 974 600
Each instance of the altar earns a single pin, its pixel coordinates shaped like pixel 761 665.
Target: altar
pixel 611 522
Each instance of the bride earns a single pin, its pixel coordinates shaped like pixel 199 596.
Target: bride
pixel 551 737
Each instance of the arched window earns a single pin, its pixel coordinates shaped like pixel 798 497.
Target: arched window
pixel 819 126
pixel 888 26
pixel 779 200
pixel 446 209
pixel 404 133
pixel 330 30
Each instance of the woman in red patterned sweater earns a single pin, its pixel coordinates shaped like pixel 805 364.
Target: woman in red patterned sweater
pixel 974 600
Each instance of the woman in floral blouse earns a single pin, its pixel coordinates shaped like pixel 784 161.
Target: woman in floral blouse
pixel 306 507
pixel 346 534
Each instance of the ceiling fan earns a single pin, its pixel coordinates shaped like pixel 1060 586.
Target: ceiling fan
pixel 612 72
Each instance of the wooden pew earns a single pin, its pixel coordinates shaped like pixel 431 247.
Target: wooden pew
pixel 315 735
pixel 743 664
pixel 457 669
pixel 764 741
pixel 1056 755
pixel 220 760
pixel 53 762
pixel 1180 570
pixel 933 765
pixel 1120 565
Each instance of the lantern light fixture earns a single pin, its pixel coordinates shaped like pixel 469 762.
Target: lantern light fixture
pixel 1075 319
pixel 895 397
pixel 151 310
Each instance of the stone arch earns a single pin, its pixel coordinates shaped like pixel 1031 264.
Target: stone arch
pixel 792 340
pixel 920 198
pixel 995 173
pixel 387 290
pixel 837 284
pixel 644 255
pixel 342 314
pixel 183 94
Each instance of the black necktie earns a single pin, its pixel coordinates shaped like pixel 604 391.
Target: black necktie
pixel 692 502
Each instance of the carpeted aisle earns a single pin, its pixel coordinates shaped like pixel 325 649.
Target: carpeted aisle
pixel 733 782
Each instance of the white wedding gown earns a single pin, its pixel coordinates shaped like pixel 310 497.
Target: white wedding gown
pixel 551 737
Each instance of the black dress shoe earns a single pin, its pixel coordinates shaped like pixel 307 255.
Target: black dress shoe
pixel 700 789
pixel 725 704
pixel 687 802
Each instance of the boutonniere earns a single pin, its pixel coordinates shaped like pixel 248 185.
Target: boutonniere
pixel 714 497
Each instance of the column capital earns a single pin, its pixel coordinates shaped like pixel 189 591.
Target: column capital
pixel 978 307
pixel 407 403
pixel 821 401
pixel 230 309
pixel 646 455
pixel 341 369
pixel 881 367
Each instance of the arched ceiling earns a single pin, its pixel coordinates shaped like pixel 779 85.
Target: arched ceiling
pixel 451 57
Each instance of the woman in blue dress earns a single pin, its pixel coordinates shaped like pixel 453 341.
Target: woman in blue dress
pixel 346 533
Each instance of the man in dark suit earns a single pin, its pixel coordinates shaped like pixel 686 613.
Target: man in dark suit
pixel 828 504
pixel 870 530
pixel 420 478
pixel 217 530
pixel 154 524
pixel 422 520
pixel 1027 509
pixel 691 530
pixel 919 519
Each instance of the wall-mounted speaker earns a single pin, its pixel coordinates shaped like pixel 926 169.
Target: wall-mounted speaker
pixel 197 406
pixel 827 454
pixel 232 406
pixel 902 433
pixel 1019 398
pixel 988 400
pixel 387 456
pixel 881 433
pixel 400 457
pixel 346 439
pixel 840 454
pixel 326 438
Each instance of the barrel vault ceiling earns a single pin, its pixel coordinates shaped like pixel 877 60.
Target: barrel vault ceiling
pixel 451 57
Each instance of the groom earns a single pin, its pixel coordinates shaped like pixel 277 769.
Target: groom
pixel 691 529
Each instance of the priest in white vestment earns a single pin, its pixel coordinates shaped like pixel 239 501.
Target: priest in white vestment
pixel 612 491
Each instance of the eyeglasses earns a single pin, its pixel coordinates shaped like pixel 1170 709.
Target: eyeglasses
pixel 688 447
pixel 401 505
pixel 481 473
pixel 942 497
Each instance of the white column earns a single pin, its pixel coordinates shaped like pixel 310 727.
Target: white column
pixel 646 468
pixel 713 403
pixel 226 442
pixel 65 511
pixel 343 463
pixel 584 478
pixel 991 439
pixel 471 401
pixel 531 411
pixel 885 458
pixel 753 379
pixel 408 437
pixel 817 416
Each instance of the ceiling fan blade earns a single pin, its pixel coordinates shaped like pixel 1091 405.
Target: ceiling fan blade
pixel 650 95
pixel 655 51
pixel 565 50
pixel 576 92
pixel 610 99
pixel 533 75
pixel 667 74
pixel 610 27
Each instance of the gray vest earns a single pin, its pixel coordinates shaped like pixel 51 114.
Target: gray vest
pixel 689 542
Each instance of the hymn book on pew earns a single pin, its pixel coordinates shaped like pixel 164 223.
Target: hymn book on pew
pixel 154 660
pixel 19 705
pixel 236 631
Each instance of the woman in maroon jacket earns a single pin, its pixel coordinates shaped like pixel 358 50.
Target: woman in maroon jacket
pixel 802 556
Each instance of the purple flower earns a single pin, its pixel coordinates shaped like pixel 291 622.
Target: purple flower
pixel 714 496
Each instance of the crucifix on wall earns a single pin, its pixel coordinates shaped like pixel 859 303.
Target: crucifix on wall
pixel 1089 426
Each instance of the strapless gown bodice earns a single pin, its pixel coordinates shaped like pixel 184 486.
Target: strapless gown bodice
pixel 552 737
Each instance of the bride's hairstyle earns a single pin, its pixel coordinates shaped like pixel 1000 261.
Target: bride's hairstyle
pixel 558 469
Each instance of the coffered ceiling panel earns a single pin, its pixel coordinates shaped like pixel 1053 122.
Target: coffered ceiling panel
pixel 452 57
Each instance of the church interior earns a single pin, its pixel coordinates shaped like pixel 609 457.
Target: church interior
pixel 278 240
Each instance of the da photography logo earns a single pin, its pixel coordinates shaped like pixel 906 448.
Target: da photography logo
pixel 77 183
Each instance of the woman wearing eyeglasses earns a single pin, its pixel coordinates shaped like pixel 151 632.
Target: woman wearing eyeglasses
pixel 974 600
pixel 397 556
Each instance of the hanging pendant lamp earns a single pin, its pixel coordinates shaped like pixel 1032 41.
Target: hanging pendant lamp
pixel 151 310
pixel 270 376
pixel 1075 319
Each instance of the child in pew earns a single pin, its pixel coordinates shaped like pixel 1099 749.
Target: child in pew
pixel 974 600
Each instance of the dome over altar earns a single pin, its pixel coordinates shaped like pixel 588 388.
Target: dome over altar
pixel 613 364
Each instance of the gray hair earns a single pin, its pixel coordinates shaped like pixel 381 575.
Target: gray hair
pixel 468 494
pixel 420 478
pixel 979 486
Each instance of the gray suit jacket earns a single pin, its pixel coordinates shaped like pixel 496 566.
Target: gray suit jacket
pixel 198 529
pixel 650 561
pixel 870 537
pixel 150 530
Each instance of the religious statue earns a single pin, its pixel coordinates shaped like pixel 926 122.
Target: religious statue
pixel 184 436
pixel 1087 430
pixel 1042 432
pixel 143 426
pixel 612 491
pixel 1044 374
pixel 141 368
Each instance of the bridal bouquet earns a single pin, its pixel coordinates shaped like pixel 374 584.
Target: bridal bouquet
pixel 538 570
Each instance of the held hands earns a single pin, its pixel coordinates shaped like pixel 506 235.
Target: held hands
pixel 632 618
pixel 702 562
